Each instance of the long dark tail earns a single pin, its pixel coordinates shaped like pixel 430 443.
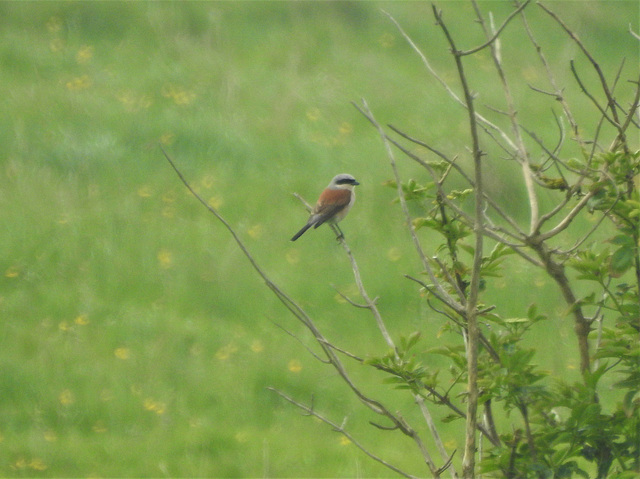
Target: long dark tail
pixel 302 231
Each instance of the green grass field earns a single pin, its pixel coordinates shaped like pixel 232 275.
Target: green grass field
pixel 136 340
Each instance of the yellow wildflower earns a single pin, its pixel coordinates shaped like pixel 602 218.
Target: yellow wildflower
pixel 122 353
pixel 154 406
pixel 215 202
pixel 394 254
pixel 165 258
pixel 255 231
pixel 295 366
pixel 54 24
pixel 79 83
pixel 167 138
pixel 225 352
pixel 387 40
pixel 293 256
pixel 85 54
pixel 313 114
pixel 145 191
pixel 12 272
pixel 66 398
pixel 99 427
pixel 345 128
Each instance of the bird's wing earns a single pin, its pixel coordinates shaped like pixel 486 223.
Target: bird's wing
pixel 330 203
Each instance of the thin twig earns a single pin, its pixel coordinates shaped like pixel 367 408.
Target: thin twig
pixel 370 304
pixel 442 293
pixel 309 350
pixel 497 33
pixel 444 84
pixel 352 302
pixel 340 428
pixel 522 153
pixel 519 234
pixel 611 104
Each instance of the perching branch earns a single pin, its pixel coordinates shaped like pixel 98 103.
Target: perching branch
pixel 374 405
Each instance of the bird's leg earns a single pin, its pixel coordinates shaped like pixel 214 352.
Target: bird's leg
pixel 340 233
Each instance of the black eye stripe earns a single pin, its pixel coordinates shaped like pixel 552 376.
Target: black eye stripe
pixel 345 181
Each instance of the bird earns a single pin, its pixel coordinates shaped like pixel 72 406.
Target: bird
pixel 333 204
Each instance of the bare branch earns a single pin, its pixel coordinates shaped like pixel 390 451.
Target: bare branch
pixel 340 428
pixel 566 221
pixel 497 33
pixel 590 96
pixel 345 352
pixel 447 88
pixel 436 436
pixel 370 304
pixel 309 350
pixel 442 293
pixel 351 302
pixel 522 153
pixel 629 119
pixel 558 91
pixel 611 103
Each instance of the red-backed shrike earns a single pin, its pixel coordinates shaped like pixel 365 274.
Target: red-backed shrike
pixel 334 203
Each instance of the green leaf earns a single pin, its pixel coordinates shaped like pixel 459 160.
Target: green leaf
pixel 628 404
pixel 621 260
pixel 622 240
pixel 517 320
pixel 450 418
pixel 412 340
pixel 632 382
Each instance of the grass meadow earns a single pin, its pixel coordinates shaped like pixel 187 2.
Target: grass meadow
pixel 136 340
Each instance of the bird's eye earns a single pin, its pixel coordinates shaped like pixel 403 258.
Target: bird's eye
pixel 346 181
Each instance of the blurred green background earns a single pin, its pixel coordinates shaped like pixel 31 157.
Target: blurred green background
pixel 136 340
